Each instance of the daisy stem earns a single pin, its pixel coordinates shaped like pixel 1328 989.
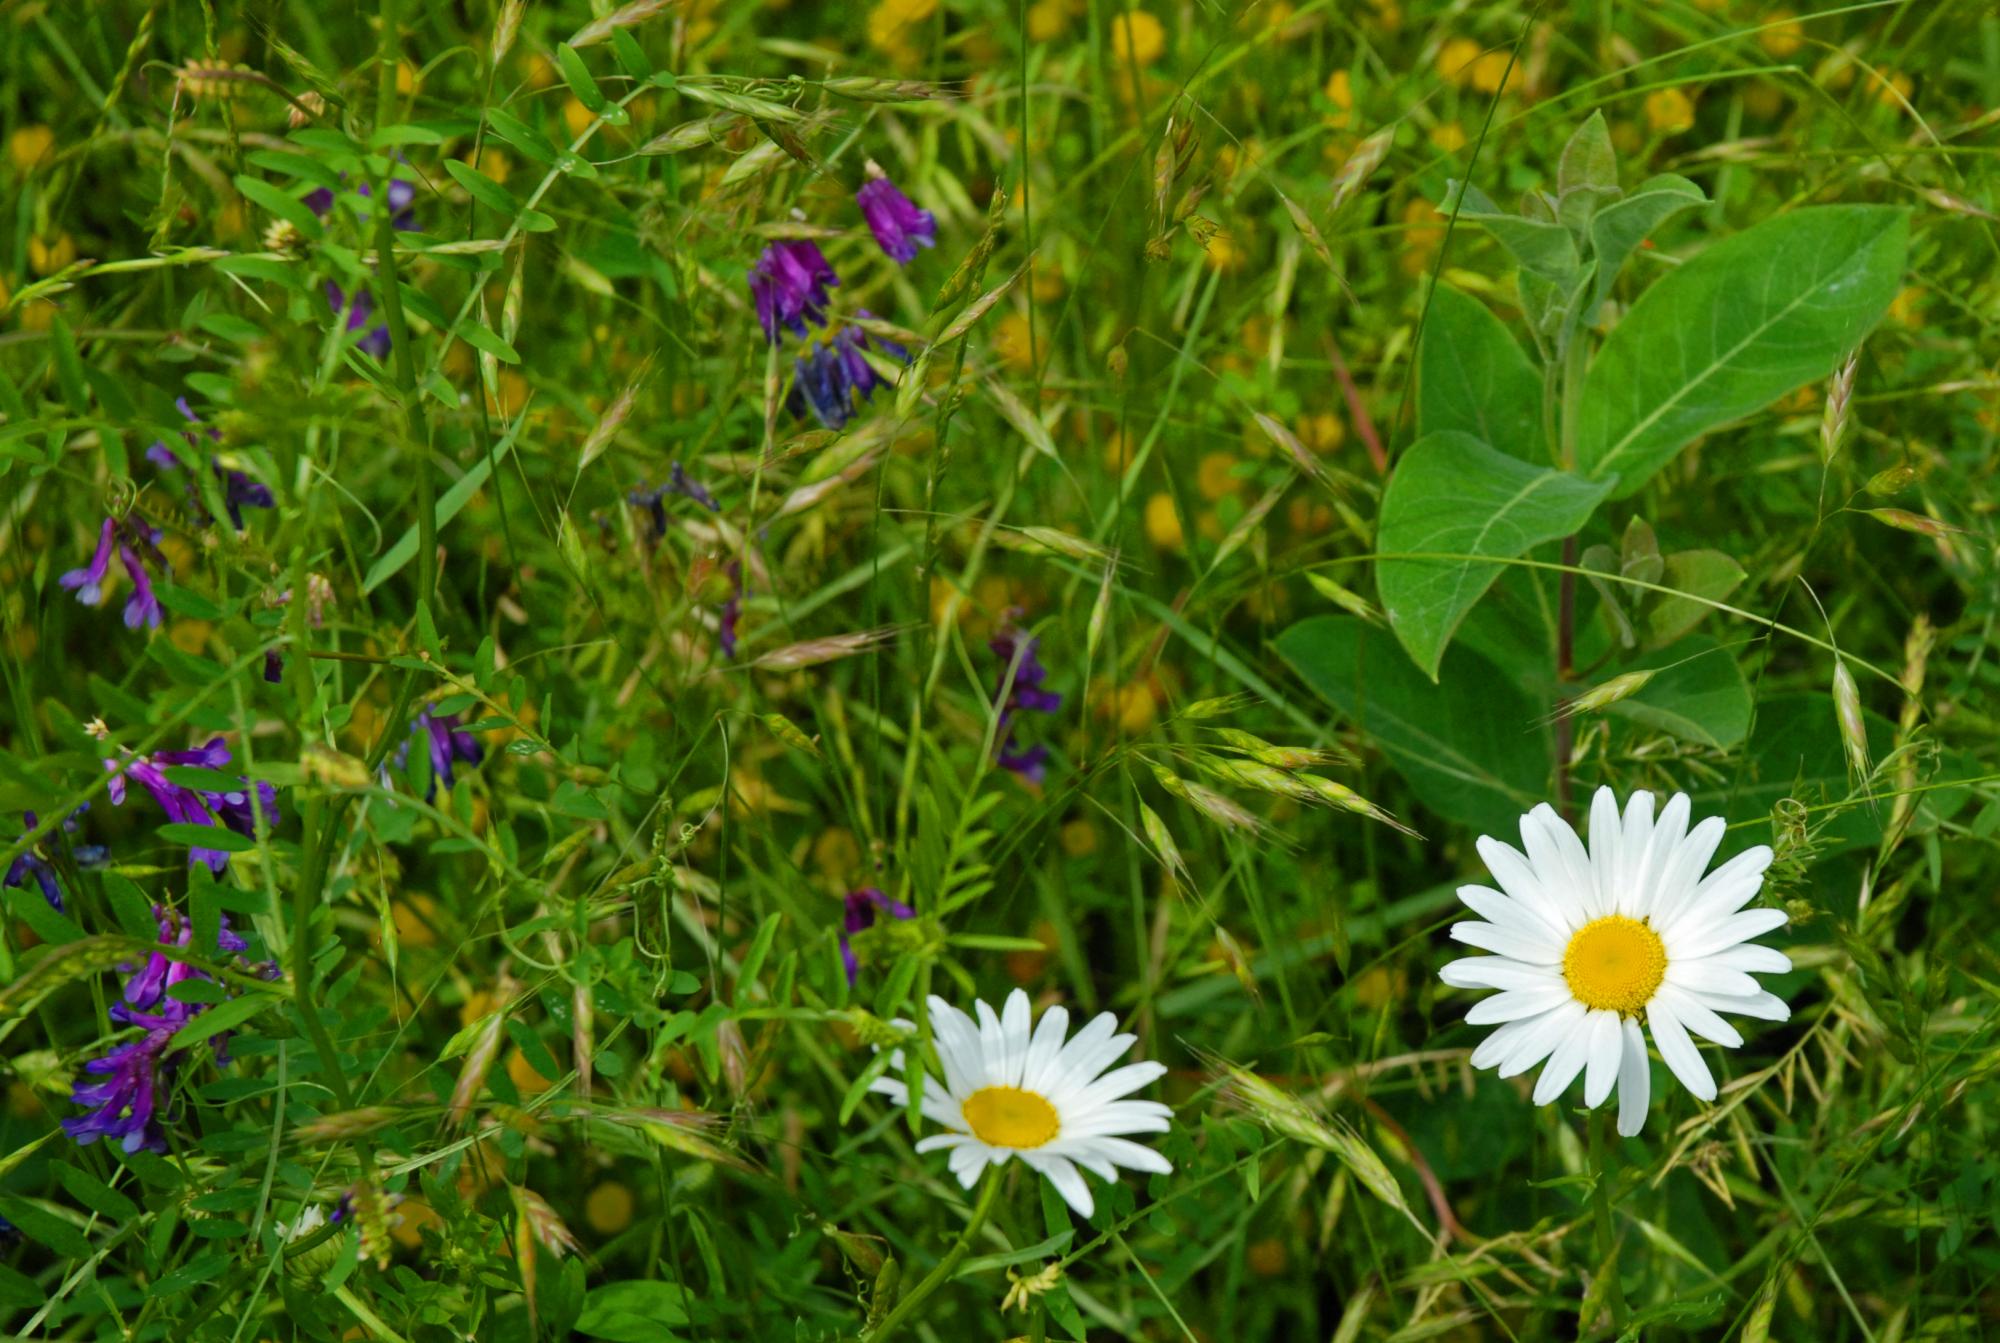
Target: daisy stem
pixel 989 1193
pixel 1600 1199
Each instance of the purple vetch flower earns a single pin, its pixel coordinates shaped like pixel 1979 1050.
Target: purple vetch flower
pixel 33 863
pixel 861 908
pixel 274 666
pixel 827 378
pixel 124 1100
pixel 135 541
pixel 789 284
pixel 449 744
pixel 375 340
pixel 900 228
pixel 1026 695
pixel 232 808
pixel 239 491
pixel 402 202
pixel 654 500
pixel 732 611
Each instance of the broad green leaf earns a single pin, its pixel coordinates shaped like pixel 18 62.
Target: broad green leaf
pixel 93 1193
pixel 1699 694
pixel 1472 376
pixel 1616 230
pixel 274 201
pixel 1456 498
pixel 1588 174
pixel 577 75
pixel 1471 746
pixel 1739 326
pixel 1542 247
pixel 1706 574
pixel 633 1312
pixel 483 189
pixel 226 1017
pixel 522 136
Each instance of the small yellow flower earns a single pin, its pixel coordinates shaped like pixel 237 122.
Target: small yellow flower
pixel 1047 20
pixel 541 73
pixel 1137 38
pixel 1669 111
pixel 1784 36
pixel 406 78
pixel 577 117
pixel 1163 524
pixel 1225 253
pixel 1047 284
pixel 190 636
pixel 1448 137
pixel 1012 344
pixel 1215 475
pixel 1323 432
pixel 1079 838
pixel 836 853
pixel 1455 58
pixel 608 1208
pixel 526 1080
pixel 30 145
pixel 1496 72
pixel 48 255
pixel 1763 100
pixel 493 164
pixel 1340 92
pixel 1907 308
pixel 1893 89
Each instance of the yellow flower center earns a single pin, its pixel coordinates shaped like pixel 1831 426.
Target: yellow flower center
pixel 1010 1117
pixel 1615 963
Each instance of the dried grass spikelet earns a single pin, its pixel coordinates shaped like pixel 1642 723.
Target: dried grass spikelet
pixel 217 79
pixel 1839 402
pixel 1361 165
pixel 1603 694
pixel 812 652
pixel 1222 810
pixel 1853 726
pixel 1288 1116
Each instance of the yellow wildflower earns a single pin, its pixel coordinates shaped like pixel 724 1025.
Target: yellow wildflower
pixel 29 146
pixel 1163 524
pixel 1137 38
pixel 1669 111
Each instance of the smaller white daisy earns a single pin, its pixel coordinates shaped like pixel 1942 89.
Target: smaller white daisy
pixel 1587 943
pixel 1012 1091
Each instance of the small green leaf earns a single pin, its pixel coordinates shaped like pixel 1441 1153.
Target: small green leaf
pixel 577 75
pixel 68 366
pixel 1705 576
pixel 1458 500
pixel 205 837
pixel 226 1017
pixel 93 1193
pixel 1541 247
pixel 286 207
pixel 480 338
pixel 483 189
pixel 522 136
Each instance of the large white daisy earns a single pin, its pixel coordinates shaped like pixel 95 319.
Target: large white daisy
pixel 1011 1091
pixel 1588 943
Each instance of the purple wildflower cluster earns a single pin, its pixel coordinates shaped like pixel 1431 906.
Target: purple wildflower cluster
pixel 861 908
pixel 1027 695
pixel 789 285
pixel 239 491
pixel 449 743
pixel 732 611
pixel 832 374
pixel 136 541
pixel 359 307
pixel 654 500
pixel 232 808
pixel 123 1100
pixel 34 865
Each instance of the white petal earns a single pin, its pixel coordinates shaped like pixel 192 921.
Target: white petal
pixel 1560 861
pixel 1495 1048
pixel 1705 976
pixel 1065 1177
pixel 1120 1117
pixel 1601 1060
pixel 1119 1082
pixel 1727 889
pixel 1700 1020
pixel 1632 844
pixel 1694 943
pixel 992 1044
pixel 1564 1064
pixel 1502 912
pixel 1635 1081
pixel 888 1086
pixel 942 1142
pixel 1607 850
pixel 1752 959
pixel 957 1041
pixel 1516 1004
pixel 1678 1051
pixel 1015 1033
pixel 1078 1070
pixel 1537 1044
pixel 1517 946
pixel 1083 1044
pixel 1763 1006
pixel 1496 972
pixel 1668 831
pixel 1674 882
pixel 968 1161
pixel 1046 1046
pixel 1131 1155
pixel 1519 879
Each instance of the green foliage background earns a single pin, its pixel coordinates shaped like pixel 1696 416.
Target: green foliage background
pixel 575 1033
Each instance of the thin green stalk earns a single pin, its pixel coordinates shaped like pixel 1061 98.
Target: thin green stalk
pixel 1600 1201
pixel 989 1193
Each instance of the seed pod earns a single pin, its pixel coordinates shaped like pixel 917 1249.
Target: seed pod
pixel 1282 757
pixel 865 90
pixel 1100 612
pixel 1757 1325
pixel 1252 519
pixel 507 27
pixel 1345 598
pixel 1163 844
pixel 478 1063
pixel 1207 801
pixel 1339 795
pixel 346 1124
pixel 788 732
pixel 1288 1116
pixel 888 1286
pixel 1904 521
pixel 1606 693
pixel 1214 708
pixel 1887 484
pixel 812 652
pixel 1853 727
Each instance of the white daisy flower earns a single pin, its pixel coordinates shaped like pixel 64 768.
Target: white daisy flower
pixel 1586 944
pixel 1009 1091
